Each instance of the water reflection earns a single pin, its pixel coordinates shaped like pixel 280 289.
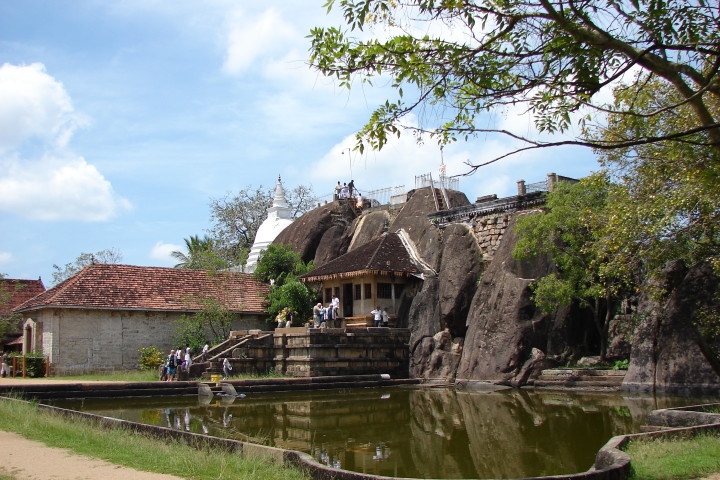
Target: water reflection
pixel 411 432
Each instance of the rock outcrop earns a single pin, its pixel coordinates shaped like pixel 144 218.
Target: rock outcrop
pixel 307 232
pixel 472 318
pixel 503 323
pixel 665 354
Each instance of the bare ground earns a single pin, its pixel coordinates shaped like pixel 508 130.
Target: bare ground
pixel 23 459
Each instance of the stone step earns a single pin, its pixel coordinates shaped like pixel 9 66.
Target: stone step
pixel 578 384
pixel 591 378
pixel 584 372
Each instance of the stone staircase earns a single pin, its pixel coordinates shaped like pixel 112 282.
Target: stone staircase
pixel 580 378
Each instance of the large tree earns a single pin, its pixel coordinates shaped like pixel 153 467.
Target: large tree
pixel 110 255
pixel 668 206
pixel 450 60
pixel 236 218
pixel 571 230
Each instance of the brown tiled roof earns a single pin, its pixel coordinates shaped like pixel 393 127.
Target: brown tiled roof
pixel 126 287
pixel 385 255
pixel 14 292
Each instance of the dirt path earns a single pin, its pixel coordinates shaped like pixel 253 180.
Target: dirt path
pixel 24 459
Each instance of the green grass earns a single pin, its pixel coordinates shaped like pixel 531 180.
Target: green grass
pixel 141 376
pixel 659 459
pixel 116 376
pixel 132 449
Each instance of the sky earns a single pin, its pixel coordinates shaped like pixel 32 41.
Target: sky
pixel 121 121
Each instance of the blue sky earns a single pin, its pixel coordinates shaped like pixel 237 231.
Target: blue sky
pixel 120 121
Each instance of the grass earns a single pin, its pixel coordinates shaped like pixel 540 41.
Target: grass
pixel 132 449
pixel 116 376
pixel 139 376
pixel 661 459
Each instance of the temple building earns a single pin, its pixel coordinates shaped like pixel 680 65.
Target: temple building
pixel 374 274
pixel 279 217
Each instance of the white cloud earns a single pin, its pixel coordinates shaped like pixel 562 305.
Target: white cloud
pixel 34 105
pixel 253 38
pixel 161 252
pixel 400 160
pixel 6 258
pixel 58 188
pixel 40 178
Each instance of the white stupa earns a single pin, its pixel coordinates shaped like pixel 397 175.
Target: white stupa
pixel 279 217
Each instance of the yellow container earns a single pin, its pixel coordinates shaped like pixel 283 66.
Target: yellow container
pixel 215 378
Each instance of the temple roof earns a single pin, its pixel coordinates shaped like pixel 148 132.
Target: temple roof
pixel 127 287
pixel 386 255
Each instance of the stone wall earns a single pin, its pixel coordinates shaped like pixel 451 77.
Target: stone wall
pixel 310 352
pixel 489 231
pixel 81 341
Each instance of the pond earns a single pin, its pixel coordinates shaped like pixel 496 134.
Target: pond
pixel 411 432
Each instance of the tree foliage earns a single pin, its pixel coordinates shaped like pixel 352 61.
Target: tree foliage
pixel 280 266
pixel 293 295
pixel 201 254
pixel 236 218
pixel 452 60
pixel 211 324
pixel 61 274
pixel 279 263
pixel 667 205
pixel 571 231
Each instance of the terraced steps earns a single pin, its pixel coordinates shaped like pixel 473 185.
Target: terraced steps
pixel 580 378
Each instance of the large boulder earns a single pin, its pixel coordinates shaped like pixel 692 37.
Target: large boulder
pixel 665 355
pixel 441 306
pixel 368 227
pixel 413 219
pixel 503 323
pixel 306 233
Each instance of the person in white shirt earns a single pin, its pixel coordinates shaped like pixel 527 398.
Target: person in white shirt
pixel 378 316
pixel 336 305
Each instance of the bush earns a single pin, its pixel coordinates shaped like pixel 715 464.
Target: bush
pixel 150 358
pixel 34 365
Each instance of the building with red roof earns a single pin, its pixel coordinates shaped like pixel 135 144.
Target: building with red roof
pixel 98 319
pixel 14 292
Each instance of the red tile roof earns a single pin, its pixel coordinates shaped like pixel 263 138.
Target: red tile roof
pixel 127 287
pixel 14 292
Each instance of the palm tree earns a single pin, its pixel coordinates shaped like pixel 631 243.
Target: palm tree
pixel 200 254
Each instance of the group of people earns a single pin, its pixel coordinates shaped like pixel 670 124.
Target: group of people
pixel 326 315
pixel 346 190
pixel 284 318
pixel 380 316
pixel 176 360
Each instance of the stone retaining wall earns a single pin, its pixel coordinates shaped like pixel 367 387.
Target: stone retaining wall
pixel 315 352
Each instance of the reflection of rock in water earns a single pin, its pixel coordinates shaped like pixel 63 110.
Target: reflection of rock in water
pixel 426 432
pixel 508 434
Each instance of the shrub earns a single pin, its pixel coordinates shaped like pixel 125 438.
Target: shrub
pixel 150 358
